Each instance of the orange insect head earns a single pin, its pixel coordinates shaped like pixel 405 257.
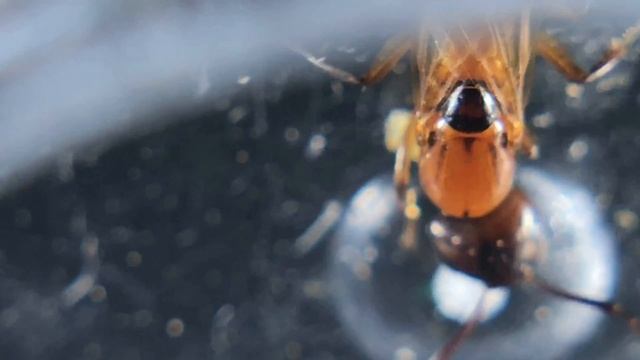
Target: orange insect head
pixel 467 164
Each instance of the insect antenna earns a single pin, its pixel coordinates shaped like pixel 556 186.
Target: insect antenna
pixel 465 332
pixel 610 308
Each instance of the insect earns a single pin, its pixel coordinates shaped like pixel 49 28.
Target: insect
pixel 465 132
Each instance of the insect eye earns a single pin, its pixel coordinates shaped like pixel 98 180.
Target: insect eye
pixel 504 140
pixel 431 140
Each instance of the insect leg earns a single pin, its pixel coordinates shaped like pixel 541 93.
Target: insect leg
pixel 470 325
pixel 551 50
pixel 393 50
pixel 400 137
pixel 610 308
pixel 409 237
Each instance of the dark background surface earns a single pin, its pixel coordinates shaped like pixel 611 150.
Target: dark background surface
pixel 196 220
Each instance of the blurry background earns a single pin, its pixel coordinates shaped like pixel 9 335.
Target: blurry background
pixel 161 159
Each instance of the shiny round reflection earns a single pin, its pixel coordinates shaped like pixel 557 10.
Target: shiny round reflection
pixel 398 300
pixel 456 294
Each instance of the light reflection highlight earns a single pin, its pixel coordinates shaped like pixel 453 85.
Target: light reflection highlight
pixel 381 299
pixel 456 295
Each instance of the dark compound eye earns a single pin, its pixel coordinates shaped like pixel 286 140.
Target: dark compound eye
pixel 504 140
pixel 468 110
pixel 431 140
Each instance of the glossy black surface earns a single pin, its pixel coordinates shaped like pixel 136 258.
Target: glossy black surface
pixel 467 111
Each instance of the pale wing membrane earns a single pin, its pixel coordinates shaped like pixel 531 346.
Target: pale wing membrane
pixel 435 71
pixel 502 67
pixel 392 51
pixel 507 36
pixel 524 59
pixel 423 64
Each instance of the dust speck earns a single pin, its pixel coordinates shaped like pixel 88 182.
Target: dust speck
pixel 175 327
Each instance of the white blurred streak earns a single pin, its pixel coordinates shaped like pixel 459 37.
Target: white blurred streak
pixel 319 228
pixel 72 72
pixel 85 281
